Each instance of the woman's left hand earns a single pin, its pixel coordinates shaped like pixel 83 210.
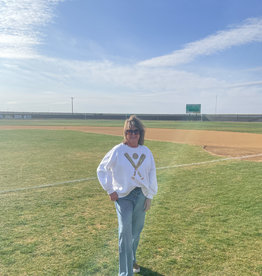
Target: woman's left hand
pixel 147 204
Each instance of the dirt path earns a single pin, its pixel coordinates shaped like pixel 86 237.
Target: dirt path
pixel 216 142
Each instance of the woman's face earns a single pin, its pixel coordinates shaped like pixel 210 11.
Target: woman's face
pixel 132 136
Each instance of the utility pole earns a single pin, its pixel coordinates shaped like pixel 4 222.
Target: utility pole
pixel 216 106
pixel 72 102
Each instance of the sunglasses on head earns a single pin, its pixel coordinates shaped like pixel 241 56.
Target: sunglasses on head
pixel 132 131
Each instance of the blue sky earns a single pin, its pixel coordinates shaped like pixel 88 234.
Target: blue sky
pixel 139 56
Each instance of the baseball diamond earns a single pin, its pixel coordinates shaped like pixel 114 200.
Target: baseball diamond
pixel 221 143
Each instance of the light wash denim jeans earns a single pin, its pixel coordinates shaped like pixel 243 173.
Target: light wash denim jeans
pixel 131 217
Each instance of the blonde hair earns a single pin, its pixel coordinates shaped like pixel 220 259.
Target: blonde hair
pixel 133 121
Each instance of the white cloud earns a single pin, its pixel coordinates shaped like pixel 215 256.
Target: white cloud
pixel 116 79
pixel 19 26
pixel 247 84
pixel 249 31
pixel 103 87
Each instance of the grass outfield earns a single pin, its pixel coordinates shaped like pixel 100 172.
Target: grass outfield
pixel 250 127
pixel 205 220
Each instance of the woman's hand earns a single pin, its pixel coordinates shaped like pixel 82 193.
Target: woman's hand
pixel 114 196
pixel 147 204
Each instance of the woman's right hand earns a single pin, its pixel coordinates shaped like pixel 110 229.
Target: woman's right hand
pixel 114 196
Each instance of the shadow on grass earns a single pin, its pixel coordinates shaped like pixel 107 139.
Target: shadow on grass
pixel 147 272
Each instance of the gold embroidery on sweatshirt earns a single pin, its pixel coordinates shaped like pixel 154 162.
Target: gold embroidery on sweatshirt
pixel 136 166
pixel 135 156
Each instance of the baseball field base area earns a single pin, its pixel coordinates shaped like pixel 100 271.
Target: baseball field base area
pixel 57 220
pixel 222 143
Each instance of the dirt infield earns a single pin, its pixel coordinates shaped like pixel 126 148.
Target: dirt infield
pixel 216 142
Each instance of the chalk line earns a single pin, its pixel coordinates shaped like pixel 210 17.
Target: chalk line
pixel 210 161
pixel 160 168
pixel 48 185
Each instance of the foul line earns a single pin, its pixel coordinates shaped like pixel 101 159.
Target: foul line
pixel 160 168
pixel 210 161
pixel 48 185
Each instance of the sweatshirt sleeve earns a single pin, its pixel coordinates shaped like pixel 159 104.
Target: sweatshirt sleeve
pixel 104 171
pixel 152 178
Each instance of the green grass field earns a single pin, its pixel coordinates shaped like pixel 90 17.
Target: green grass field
pixel 205 220
pixel 251 127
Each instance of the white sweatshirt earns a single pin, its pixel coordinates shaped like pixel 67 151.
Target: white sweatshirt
pixel 124 168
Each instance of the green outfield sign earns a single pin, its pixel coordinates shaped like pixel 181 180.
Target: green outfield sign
pixel 193 108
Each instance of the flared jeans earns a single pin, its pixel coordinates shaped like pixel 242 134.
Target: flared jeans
pixel 131 217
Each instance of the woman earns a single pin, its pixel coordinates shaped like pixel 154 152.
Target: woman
pixel 128 174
